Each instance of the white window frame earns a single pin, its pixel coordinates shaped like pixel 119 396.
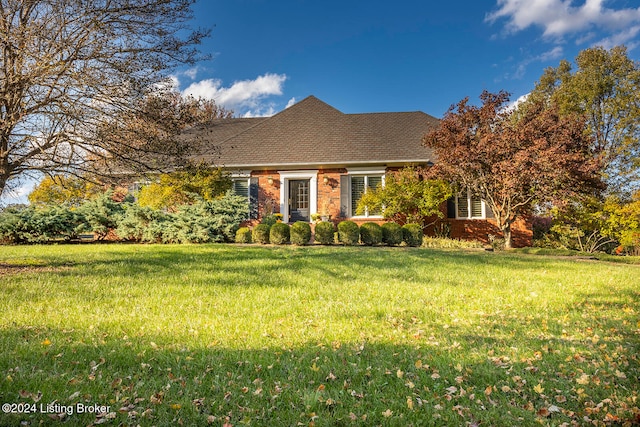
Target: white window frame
pixel 366 173
pixel 469 210
pixel 285 176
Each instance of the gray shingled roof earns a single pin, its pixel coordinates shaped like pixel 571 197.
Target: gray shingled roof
pixel 312 133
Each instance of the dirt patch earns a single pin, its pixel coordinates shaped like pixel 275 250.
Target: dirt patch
pixel 7 269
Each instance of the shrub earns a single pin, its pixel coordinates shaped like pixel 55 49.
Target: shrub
pixel 243 235
pixel 370 234
pixel 31 225
pixel 300 233
pixel 261 233
pixel 280 233
pixel 138 224
pixel 213 221
pixel 101 215
pixel 412 234
pixel 391 233
pixel 269 219
pixel 448 243
pixel 325 233
pixel 348 233
pixel 497 243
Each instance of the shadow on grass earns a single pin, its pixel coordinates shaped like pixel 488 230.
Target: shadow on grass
pixel 325 383
pixel 264 265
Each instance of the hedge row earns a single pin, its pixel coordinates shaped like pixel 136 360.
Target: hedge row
pixel 348 233
pixel 202 222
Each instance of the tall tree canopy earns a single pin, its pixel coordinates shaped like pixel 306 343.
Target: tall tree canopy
pixel 512 161
pixel 605 88
pixel 69 67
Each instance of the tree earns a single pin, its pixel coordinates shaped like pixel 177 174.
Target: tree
pixel 147 138
pixel 61 190
pixel 605 89
pixel 513 160
pixel 186 186
pixel 407 197
pixel 68 67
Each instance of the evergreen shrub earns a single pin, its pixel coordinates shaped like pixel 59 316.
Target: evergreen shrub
pixel 261 233
pixel 412 234
pixel 325 233
pixel 300 233
pixel 243 235
pixel 348 233
pixel 370 234
pixel 391 233
pixel 280 233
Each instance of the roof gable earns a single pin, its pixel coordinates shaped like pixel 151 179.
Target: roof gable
pixel 313 132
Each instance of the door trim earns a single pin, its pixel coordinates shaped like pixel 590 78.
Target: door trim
pixel 285 176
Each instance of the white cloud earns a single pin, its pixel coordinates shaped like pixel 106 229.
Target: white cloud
pixel 554 53
pixel 191 73
pixel 559 17
pixel 623 37
pixel 19 193
pixel 521 67
pixel 244 96
pixel 290 102
pixel 513 104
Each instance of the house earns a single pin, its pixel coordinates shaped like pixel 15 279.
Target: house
pixel 312 158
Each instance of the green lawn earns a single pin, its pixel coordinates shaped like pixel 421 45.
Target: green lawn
pixel 250 335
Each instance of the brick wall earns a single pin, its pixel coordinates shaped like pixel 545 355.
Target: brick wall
pixel 329 202
pixel 329 191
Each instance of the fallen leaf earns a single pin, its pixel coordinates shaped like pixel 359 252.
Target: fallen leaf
pixel 620 374
pixel 543 412
pixel 387 413
pixel 538 389
pixel 583 379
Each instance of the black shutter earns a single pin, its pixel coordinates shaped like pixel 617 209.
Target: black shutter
pixel 451 207
pixel 253 198
pixel 345 193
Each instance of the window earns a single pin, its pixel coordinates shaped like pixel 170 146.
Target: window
pixel 241 187
pixel 360 184
pixel 247 187
pixel 470 206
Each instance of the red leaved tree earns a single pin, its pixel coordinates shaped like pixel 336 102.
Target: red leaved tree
pixel 513 159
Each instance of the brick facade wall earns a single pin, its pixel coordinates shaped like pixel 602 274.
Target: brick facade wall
pixel 329 192
pixel 329 202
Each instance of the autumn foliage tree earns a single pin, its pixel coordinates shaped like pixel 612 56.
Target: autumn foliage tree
pixel 603 86
pixel 68 67
pixel 513 160
pixel 61 190
pixel 185 186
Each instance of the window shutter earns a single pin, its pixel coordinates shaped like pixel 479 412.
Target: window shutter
pixel 345 191
pixel 253 198
pixel 451 207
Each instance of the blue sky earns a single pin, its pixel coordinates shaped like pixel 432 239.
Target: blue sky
pixel 367 56
pixel 407 55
